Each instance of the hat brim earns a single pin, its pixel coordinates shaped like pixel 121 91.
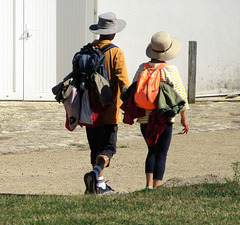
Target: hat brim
pixel 172 53
pixel 96 30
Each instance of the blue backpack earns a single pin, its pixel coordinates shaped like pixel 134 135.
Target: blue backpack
pixel 85 63
pixel 88 61
pixel 86 91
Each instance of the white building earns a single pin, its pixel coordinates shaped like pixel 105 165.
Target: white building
pixel 40 37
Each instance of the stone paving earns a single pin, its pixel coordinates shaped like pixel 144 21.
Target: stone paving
pixel 40 156
pixel 39 126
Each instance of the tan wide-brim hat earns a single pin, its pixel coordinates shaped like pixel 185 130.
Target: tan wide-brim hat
pixel 107 24
pixel 163 47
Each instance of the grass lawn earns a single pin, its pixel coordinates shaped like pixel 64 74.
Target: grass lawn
pixel 197 204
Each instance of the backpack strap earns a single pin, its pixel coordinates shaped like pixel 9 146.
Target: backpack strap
pixel 146 65
pixel 107 47
pixel 160 66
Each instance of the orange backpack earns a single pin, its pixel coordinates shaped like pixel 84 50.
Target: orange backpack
pixel 147 89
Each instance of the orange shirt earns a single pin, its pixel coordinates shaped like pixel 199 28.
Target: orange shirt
pixel 118 77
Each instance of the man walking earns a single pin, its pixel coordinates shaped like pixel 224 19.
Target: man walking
pixel 102 140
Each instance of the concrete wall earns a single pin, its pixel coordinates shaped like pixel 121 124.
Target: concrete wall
pixel 214 24
pixel 38 41
pixel 73 18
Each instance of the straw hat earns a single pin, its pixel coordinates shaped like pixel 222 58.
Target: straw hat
pixel 163 47
pixel 107 24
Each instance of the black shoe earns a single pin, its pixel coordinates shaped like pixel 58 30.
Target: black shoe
pixel 101 190
pixel 90 182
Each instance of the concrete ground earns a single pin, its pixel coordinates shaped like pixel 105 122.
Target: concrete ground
pixel 39 155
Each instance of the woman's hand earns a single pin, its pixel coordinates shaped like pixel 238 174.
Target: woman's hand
pixel 184 123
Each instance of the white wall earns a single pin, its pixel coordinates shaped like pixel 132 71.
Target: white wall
pixel 11 50
pixel 214 24
pixel 38 43
pixel 74 17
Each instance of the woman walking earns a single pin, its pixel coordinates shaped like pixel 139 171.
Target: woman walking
pixel 162 48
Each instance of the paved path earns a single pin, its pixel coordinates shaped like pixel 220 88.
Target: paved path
pixel 39 155
pixel 39 126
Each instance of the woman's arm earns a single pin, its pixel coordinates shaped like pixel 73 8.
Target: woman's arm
pixel 184 122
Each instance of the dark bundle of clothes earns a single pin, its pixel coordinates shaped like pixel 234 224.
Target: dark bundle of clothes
pixel 169 104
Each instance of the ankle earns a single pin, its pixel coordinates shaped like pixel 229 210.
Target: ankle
pixel 97 170
pixel 149 187
pixel 101 183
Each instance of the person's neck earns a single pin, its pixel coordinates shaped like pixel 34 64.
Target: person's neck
pixel 156 61
pixel 104 39
pixel 108 37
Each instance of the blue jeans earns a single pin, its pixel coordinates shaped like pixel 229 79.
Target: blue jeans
pixel 157 154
